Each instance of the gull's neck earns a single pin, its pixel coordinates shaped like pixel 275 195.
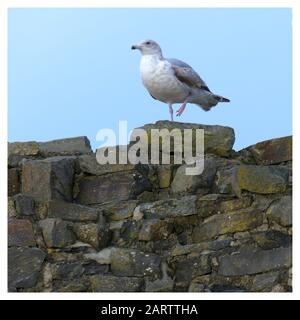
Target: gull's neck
pixel 154 56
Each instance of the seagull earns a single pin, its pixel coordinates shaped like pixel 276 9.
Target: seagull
pixel 173 81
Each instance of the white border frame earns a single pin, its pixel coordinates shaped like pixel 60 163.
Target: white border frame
pixel 5 4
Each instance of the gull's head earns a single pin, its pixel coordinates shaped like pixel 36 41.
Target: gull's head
pixel 148 47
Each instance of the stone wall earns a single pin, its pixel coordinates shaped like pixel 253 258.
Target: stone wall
pixel 75 225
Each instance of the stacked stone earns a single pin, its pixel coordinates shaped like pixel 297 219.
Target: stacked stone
pixel 76 225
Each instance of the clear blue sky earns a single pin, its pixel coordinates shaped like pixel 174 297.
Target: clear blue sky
pixel 71 71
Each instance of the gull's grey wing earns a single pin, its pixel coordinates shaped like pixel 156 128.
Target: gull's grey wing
pixel 185 73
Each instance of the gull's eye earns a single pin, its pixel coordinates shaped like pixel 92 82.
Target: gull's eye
pixel 148 42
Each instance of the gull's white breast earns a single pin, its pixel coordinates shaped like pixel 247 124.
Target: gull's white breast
pixel 159 79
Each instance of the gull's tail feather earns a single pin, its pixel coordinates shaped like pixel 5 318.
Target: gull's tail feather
pixel 220 98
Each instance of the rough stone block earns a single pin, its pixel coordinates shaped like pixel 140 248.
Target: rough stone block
pixel 24 205
pixel 88 164
pixel 227 223
pixel 111 187
pixel 71 211
pixel 56 233
pixel 92 233
pixel 280 211
pixel 188 269
pixel 217 139
pixel 183 206
pixel 20 233
pixel 272 151
pixel 251 261
pixel 154 229
pixel 69 146
pixel 48 179
pixel 253 178
pixel 183 183
pixel 108 283
pixel 13 182
pixel 24 265
pixel 30 148
pixel 120 210
pixel 133 263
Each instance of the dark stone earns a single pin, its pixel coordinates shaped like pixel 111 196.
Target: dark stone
pixel 76 285
pixel 199 247
pixel 66 270
pixel 217 139
pixel 272 239
pixel 24 205
pixel 133 263
pixel 120 210
pixel 69 146
pixel 24 265
pixel 48 179
pixel 30 148
pixel 208 205
pixel 265 282
pixel 14 160
pixel 20 233
pixel 56 233
pixel 272 151
pixel 280 211
pixel 92 267
pixel 95 234
pixel 183 206
pixel 190 268
pixel 219 224
pixel 262 179
pixel 108 283
pixel 250 261
pixel 71 211
pixel 110 187
pixel 13 182
pixel 226 288
pixel 183 183
pixel 253 178
pixel 88 164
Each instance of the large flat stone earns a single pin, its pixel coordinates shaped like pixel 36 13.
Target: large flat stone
pixel 262 179
pixel 227 223
pixel 71 211
pixel 110 187
pixel 48 179
pixel 30 148
pixel 20 233
pixel 272 151
pixel 88 164
pixel 251 261
pixel 109 283
pixel 24 265
pixel 183 206
pixel 69 146
pixel 217 139
pixel 253 178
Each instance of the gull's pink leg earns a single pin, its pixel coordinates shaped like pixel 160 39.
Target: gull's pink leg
pixel 181 109
pixel 171 111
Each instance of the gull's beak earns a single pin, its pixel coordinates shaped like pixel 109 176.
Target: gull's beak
pixel 135 47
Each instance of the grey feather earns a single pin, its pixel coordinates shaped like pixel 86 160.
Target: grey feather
pixel 186 74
